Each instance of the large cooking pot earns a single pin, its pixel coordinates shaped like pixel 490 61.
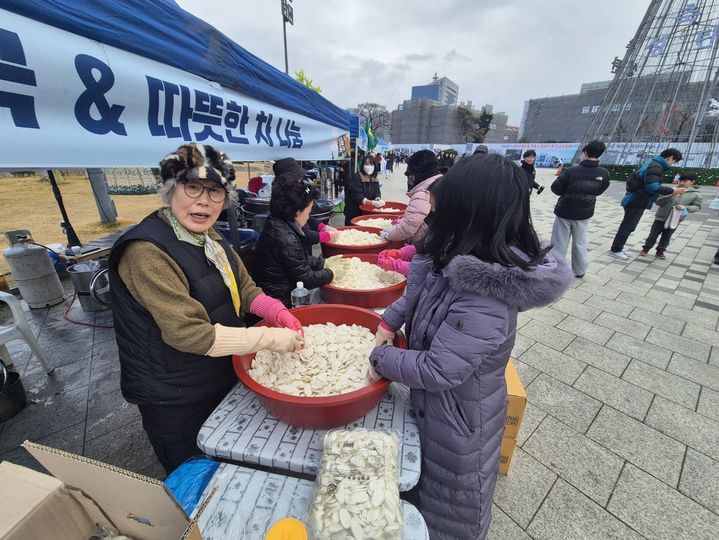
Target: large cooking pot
pixel 261 205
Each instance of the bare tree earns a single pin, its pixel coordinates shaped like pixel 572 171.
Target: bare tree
pixel 378 117
pixel 484 124
pixel 474 128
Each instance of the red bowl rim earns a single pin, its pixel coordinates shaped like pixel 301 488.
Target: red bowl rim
pixel 357 221
pixel 382 244
pixel 372 210
pixel 392 288
pixel 325 401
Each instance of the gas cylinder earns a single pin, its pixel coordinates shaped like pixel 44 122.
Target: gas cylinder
pixel 33 270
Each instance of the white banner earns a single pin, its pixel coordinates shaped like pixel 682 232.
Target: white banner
pixel 548 154
pixel 67 101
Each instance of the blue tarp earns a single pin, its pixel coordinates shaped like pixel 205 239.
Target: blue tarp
pixel 189 480
pixel 354 121
pixel 162 31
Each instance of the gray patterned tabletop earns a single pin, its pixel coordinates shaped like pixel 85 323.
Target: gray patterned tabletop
pixel 243 431
pixel 247 502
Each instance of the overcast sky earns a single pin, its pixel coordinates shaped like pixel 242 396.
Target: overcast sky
pixel 501 52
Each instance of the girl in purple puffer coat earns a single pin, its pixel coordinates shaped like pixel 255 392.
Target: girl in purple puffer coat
pixel 481 262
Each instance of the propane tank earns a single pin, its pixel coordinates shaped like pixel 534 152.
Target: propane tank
pixel 33 271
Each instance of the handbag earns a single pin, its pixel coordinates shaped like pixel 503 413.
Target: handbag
pixel 673 218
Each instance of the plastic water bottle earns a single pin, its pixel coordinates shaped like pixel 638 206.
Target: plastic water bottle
pixel 300 296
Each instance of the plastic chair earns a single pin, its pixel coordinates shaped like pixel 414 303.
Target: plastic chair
pixel 19 329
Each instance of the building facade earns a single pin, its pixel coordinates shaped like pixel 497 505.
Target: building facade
pixel 441 90
pixel 664 92
pixel 562 118
pixel 665 88
pixel 424 121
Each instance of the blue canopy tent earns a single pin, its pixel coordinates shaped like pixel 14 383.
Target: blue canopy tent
pixel 162 31
pixel 164 34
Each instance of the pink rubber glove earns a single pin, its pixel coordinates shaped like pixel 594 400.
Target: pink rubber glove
pixel 390 253
pixel 275 312
pixel 394 265
pixel 285 319
pixel 324 237
pixel 407 252
pixel 321 227
pixel 385 262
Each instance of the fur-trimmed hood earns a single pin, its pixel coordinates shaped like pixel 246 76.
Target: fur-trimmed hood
pixel 516 287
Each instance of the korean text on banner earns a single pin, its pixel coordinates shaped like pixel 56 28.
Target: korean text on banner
pixel 86 104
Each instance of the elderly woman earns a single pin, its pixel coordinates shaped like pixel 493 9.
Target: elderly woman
pixel 178 291
pixel 362 188
pixel 283 249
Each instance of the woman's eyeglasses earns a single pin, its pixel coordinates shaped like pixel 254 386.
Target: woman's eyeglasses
pixel 194 190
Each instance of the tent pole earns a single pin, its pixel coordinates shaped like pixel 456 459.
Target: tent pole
pixel 234 235
pixel 72 239
pixel 284 34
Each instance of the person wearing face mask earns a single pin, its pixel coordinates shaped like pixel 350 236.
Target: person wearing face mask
pixel 284 255
pixel 178 295
pixel 422 171
pixel 362 188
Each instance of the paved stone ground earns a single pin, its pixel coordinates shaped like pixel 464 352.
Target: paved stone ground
pixel 621 434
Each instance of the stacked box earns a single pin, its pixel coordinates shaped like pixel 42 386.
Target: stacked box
pixel 516 403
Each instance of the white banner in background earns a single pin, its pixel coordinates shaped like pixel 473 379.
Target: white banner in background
pixel 548 154
pixel 67 101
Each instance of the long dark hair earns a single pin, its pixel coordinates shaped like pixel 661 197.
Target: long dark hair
pixel 482 209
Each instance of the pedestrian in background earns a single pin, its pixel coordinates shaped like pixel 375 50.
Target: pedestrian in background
pixel 390 162
pixel 643 188
pixel 672 211
pixel 362 188
pixel 578 188
pixel 527 164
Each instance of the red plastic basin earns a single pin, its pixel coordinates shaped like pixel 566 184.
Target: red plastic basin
pixel 329 249
pixel 366 298
pixel 397 207
pixel 320 412
pixel 358 221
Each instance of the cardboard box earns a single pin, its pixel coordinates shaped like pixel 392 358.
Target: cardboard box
pixel 81 493
pixel 516 401
pixel 506 451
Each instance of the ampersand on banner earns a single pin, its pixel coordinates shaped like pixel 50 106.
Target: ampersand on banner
pixel 95 95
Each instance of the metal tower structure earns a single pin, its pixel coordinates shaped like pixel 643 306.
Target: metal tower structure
pixel 664 92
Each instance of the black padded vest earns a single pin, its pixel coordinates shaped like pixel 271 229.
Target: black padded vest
pixel 151 370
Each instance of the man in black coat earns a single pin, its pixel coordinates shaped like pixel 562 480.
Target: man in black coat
pixel 578 188
pixel 527 163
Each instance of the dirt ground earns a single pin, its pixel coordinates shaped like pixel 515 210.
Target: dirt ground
pixel 29 203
